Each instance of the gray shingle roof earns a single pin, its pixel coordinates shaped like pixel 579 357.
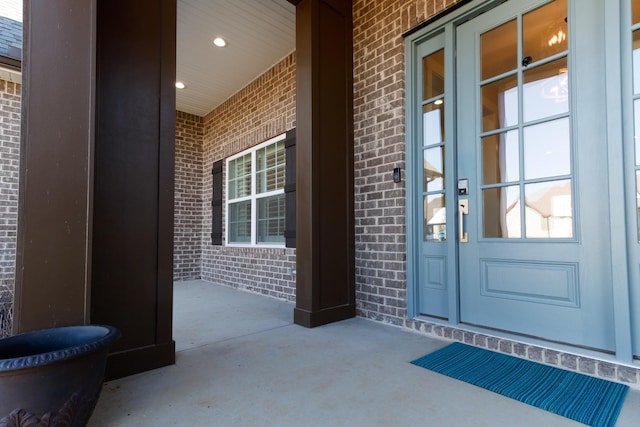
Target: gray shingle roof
pixel 10 38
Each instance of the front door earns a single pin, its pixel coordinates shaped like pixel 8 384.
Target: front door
pixel 533 235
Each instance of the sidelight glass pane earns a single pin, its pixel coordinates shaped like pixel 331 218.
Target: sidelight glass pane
pixel 433 75
pixel 499 50
pixel 638 200
pixel 501 208
pixel 435 218
pixel 636 127
pixel 546 90
pixel 500 158
pixel 433 123
pixel 545 31
pixel 270 167
pixel 549 212
pixel 500 104
pixel 547 149
pixel 636 62
pixel 271 219
pixel 240 177
pixel 240 222
pixel 434 169
pixel 635 7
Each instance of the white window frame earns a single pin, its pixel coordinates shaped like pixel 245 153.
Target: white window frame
pixel 253 197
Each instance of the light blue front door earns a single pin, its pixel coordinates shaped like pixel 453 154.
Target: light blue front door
pixel 534 253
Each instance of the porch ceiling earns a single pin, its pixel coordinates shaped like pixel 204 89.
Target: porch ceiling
pixel 259 33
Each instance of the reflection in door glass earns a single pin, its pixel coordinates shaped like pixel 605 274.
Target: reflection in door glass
pixel 499 50
pixel 546 90
pixel 433 75
pixel 547 149
pixel 638 199
pixel 502 212
pixel 636 126
pixel 434 169
pixel 545 31
pixel 433 122
pixel 636 62
pixel 500 158
pixel 500 104
pixel 435 218
pixel 549 212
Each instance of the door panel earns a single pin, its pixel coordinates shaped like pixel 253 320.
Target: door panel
pixel 537 261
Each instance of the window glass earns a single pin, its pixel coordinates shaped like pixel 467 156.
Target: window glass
pixel 256 214
pixel 270 167
pixel 240 177
pixel 271 219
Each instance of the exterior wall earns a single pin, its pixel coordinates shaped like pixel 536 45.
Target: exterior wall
pixel 379 146
pixel 10 105
pixel 263 109
pixel 188 202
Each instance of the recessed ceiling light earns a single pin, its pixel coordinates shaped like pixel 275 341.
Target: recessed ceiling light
pixel 180 85
pixel 220 42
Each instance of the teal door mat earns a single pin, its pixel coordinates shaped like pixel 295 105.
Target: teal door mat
pixel 588 400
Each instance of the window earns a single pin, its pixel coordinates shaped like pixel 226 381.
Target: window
pixel 256 206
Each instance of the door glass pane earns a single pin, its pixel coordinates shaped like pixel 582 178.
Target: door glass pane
pixel 435 218
pixel 500 104
pixel 546 90
pixel 638 200
pixel 636 62
pixel 434 169
pixel 499 50
pixel 502 212
pixel 545 31
pixel 240 222
pixel 433 123
pixel 635 6
pixel 547 149
pixel 433 75
pixel 636 127
pixel 500 158
pixel 549 212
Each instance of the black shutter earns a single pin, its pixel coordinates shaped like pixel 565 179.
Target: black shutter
pixel 290 189
pixel 216 204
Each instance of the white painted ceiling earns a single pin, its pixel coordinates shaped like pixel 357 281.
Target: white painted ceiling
pixel 259 33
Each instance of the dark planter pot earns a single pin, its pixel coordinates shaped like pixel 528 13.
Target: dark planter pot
pixel 53 377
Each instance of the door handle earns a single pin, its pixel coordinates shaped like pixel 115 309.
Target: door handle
pixel 463 209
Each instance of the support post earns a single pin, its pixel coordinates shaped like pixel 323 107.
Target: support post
pixel 325 288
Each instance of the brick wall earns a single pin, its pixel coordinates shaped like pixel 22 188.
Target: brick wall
pixel 379 147
pixel 9 172
pixel 263 109
pixel 189 203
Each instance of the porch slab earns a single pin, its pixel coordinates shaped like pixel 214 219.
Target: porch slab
pixel 242 362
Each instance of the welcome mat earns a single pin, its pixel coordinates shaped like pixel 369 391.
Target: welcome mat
pixel 589 400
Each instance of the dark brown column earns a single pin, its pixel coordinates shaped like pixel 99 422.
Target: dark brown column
pixel 134 169
pixel 54 220
pixel 325 290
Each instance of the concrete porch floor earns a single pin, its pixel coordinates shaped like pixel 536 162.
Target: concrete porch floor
pixel 242 362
